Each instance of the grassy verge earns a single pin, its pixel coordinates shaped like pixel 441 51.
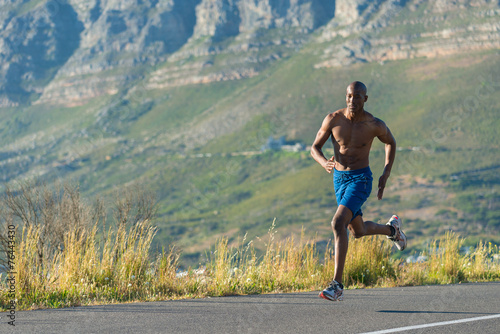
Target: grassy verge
pixel 117 267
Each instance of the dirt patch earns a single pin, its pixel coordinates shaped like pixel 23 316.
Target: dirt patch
pixel 210 241
pixel 426 214
pixel 411 197
pixel 431 70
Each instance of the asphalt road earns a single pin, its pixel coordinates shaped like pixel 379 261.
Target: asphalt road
pixel 463 308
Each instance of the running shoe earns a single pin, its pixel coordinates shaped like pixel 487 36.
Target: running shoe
pixel 334 292
pixel 399 238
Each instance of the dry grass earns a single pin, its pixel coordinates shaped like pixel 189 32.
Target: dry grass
pixel 445 264
pixel 92 266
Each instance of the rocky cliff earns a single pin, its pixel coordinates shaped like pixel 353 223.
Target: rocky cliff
pixel 395 29
pixel 71 51
pixel 34 44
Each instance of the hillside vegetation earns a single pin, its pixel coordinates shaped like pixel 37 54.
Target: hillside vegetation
pixel 441 113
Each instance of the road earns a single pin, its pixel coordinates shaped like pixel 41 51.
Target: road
pixel 461 308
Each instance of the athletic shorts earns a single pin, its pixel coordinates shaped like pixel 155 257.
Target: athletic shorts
pixel 352 188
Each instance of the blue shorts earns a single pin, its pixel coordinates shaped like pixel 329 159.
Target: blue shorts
pixel 352 188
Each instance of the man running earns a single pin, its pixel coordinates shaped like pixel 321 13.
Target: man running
pixel 352 130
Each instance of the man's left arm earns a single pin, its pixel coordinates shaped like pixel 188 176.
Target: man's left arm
pixel 387 138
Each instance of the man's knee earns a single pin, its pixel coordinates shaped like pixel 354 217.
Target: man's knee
pixel 339 222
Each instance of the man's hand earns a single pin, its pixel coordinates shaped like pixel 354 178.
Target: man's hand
pixel 330 164
pixel 381 185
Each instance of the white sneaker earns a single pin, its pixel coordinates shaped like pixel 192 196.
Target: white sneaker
pixel 334 292
pixel 399 238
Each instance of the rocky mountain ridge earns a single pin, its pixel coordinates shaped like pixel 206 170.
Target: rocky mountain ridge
pixel 448 27
pixel 68 52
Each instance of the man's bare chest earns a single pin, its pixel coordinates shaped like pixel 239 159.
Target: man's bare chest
pixel 353 135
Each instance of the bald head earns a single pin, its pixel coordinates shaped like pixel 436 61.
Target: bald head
pixel 357 86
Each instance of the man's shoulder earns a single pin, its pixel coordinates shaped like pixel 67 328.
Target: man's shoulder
pixel 375 120
pixel 332 119
pixel 336 114
pixel 377 125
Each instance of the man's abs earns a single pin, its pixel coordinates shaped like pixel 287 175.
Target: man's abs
pixel 351 158
pixel 343 164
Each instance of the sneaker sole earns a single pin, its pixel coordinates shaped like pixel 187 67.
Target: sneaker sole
pixel 398 223
pixel 341 298
pixel 406 243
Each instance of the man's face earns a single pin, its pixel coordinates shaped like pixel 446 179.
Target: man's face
pixel 355 99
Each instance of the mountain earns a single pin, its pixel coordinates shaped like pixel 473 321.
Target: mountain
pixel 69 52
pixel 180 96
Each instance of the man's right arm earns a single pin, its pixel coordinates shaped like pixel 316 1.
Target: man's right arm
pixel 321 137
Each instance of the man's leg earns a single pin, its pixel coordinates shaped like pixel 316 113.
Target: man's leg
pixel 392 230
pixel 360 228
pixel 339 225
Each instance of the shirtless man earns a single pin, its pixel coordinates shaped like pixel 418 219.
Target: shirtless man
pixel 352 130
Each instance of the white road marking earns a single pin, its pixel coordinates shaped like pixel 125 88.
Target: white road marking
pixel 400 329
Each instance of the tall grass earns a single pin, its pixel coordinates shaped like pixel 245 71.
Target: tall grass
pixel 93 266
pixel 121 269
pixel 86 270
pixel 369 262
pixel 286 265
pixel 445 264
